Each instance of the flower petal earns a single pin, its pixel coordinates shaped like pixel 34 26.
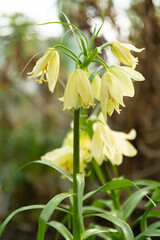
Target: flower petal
pixel 84 87
pixel 117 159
pixel 132 47
pixel 97 146
pixel 96 85
pixel 71 92
pixel 53 70
pixel 114 87
pixel 59 156
pixel 41 63
pixel 124 79
pixel 104 96
pixel 133 73
pixel 123 146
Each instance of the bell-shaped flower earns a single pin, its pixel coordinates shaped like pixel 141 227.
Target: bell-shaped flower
pixel 109 144
pixel 111 94
pixel 78 91
pixel 116 83
pixel 122 52
pixel 63 156
pixel 48 64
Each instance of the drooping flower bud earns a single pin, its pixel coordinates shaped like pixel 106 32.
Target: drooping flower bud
pixel 122 52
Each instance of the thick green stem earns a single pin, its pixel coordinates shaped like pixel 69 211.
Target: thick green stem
pixel 76 168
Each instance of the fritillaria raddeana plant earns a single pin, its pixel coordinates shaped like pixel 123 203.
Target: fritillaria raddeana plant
pixel 91 146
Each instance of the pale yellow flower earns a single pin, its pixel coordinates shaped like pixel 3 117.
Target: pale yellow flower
pixel 117 83
pixel 95 85
pixel 110 93
pixel 109 144
pixel 122 52
pixel 63 156
pixel 48 64
pixel 78 91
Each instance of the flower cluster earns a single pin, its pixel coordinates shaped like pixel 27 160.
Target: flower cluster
pixel 115 83
pixel 83 86
pixel 105 144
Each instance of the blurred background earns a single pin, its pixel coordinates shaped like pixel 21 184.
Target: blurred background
pixel 31 118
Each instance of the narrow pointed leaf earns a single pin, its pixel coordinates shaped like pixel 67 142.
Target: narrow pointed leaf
pixel 155 213
pixel 22 209
pixel 60 170
pixel 112 185
pixel 47 212
pixel 148 233
pixel 93 231
pixel 61 229
pixel 127 232
pixel 132 202
pixel 154 225
pixel 80 190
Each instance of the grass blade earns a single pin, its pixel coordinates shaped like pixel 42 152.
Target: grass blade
pixel 47 212
pixel 22 209
pixel 61 229
pixel 112 185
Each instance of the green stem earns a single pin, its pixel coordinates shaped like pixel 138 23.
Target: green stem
pixel 66 48
pixel 76 168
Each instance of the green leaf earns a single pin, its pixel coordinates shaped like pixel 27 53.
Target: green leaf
pixel 155 198
pixel 92 209
pixel 25 208
pixel 155 213
pixel 97 169
pixel 112 185
pixel 127 232
pixel 92 39
pixel 147 182
pixel 90 58
pixel 61 229
pixel 47 212
pixel 60 170
pixel 148 233
pixel 93 231
pixel 80 190
pixel 72 29
pixel 100 231
pixel 103 203
pixel 131 203
pixel 154 225
pixel 94 73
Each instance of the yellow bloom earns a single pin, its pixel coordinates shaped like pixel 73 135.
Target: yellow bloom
pixel 110 93
pixel 122 52
pixel 63 156
pixel 116 83
pixel 78 91
pixel 48 64
pixel 110 144
pixel 95 85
